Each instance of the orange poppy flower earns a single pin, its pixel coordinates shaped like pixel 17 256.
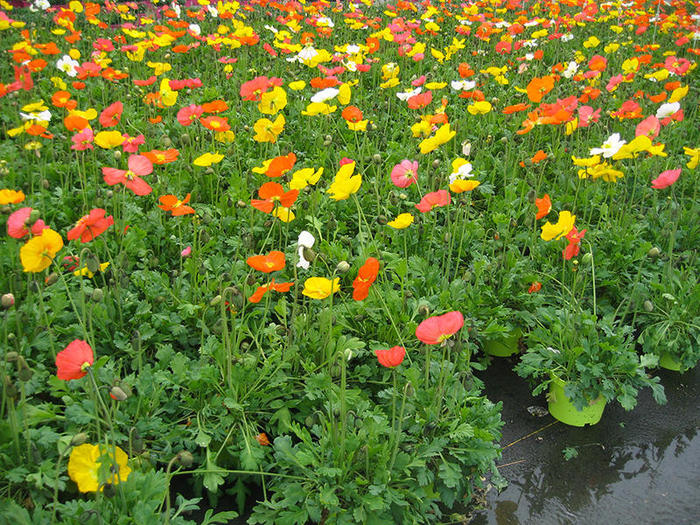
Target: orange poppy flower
pixel 262 290
pixel 365 277
pixel 515 108
pixel 271 193
pixel 161 157
pixel 215 106
pixel 177 207
pixel 352 114
pixel 214 123
pixel 544 206
pixel 272 262
pixel 539 87
pixel 278 166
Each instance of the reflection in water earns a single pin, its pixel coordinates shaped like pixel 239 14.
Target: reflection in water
pixel 639 467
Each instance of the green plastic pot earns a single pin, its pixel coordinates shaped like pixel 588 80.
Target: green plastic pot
pixel 562 409
pixel 669 362
pixel 504 346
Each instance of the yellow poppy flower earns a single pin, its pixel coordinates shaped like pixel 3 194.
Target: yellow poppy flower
pixel 273 101
pixel 38 253
pixel 562 227
pixel 11 197
pixel 109 139
pixel 84 466
pixel 303 177
pixel 268 131
pixel 320 287
pixel 207 159
pixel 403 220
pixel 345 183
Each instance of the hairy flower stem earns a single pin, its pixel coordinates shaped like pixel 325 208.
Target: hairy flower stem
pixel 397 435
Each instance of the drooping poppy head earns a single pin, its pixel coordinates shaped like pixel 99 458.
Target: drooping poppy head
pixel 73 361
pixel 436 329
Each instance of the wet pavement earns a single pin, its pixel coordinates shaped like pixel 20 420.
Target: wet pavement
pixel 639 467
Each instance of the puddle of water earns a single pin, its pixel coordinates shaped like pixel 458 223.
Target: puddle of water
pixel 633 467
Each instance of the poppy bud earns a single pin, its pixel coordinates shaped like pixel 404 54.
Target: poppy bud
pixel 531 196
pixel 377 158
pixel 309 254
pixel 342 267
pixel 669 297
pixel 108 490
pixel 381 219
pixel 117 154
pixel 118 394
pixel 185 458
pixel 424 310
pixel 403 196
pixel 648 306
pixel 446 237
pixel 97 295
pixel 109 194
pixel 11 357
pixel 7 300
pixel 45 183
pixel 241 204
pixel 216 300
pixel 78 439
pixel 436 163
pixel 165 141
pixel 5 210
pixel 587 257
pixel 34 216
pixel 11 336
pixel 24 372
pixel 653 253
pixel 93 264
pixel 185 139
pixel 504 140
pixel 409 389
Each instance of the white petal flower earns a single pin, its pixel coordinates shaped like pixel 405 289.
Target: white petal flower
pixel 668 109
pixel 609 147
pixel 306 240
pixel 463 85
pixel 325 94
pixel 408 94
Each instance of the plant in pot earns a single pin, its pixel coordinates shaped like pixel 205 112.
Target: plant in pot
pixel 502 306
pixel 585 362
pixel 669 323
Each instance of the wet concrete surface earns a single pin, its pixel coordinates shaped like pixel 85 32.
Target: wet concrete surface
pixel 639 467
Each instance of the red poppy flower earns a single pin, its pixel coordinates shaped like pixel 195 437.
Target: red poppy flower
pixel 215 123
pixel 270 193
pixel 271 262
pixel 392 357
pixel 365 277
pixel 131 178
pixel 111 115
pixel 535 287
pixel 352 114
pixel 189 114
pixel 574 237
pixel 420 100
pixel 433 200
pixel 90 226
pixel 72 362
pixel 278 166
pixel 436 329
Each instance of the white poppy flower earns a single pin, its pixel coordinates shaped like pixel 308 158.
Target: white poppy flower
pixel 325 94
pixel 609 147
pixel 306 240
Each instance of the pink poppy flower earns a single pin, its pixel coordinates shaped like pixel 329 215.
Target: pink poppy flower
pixel 665 179
pixel 131 144
pixel 586 115
pixel 433 200
pixel 392 357
pixel 436 329
pixel 111 115
pixel 17 224
pixel 83 140
pixel 189 114
pixel 650 127
pixel 90 226
pixel 405 173
pixel 131 178
pixel 419 81
pixel 72 362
